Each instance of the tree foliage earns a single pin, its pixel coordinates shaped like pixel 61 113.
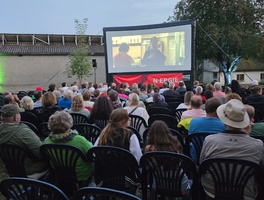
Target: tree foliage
pixel 231 26
pixel 80 63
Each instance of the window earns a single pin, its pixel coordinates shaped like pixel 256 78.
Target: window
pixel 240 77
pixel 215 75
pixel 261 76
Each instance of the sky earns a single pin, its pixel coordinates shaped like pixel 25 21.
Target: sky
pixel 58 16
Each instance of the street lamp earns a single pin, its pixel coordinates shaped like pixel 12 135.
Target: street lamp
pixel 94 66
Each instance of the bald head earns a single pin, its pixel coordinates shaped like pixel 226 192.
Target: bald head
pixel 196 102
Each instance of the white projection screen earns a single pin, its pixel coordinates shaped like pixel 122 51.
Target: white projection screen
pixel 130 49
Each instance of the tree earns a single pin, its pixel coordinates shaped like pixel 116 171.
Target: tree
pixel 235 25
pixel 80 63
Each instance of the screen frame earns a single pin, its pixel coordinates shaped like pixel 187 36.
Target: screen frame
pixel 190 73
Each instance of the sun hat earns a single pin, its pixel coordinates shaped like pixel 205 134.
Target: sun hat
pixel 233 114
pixel 10 110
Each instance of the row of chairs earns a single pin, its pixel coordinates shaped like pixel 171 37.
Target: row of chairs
pixel 24 188
pixel 113 166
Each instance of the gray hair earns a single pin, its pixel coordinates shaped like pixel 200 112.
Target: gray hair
pixel 198 90
pixel 60 122
pixel 133 99
pixel 68 94
pixel 27 103
pixel 217 86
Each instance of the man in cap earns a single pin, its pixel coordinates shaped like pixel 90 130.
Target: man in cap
pixel 233 142
pixel 12 132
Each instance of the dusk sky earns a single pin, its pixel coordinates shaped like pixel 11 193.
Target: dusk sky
pixel 57 16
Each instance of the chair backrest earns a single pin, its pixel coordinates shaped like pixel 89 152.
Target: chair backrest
pixel 156 110
pixel 103 193
pixel 63 158
pixel 21 94
pixel 137 122
pixel 178 113
pixel 168 100
pixel 173 106
pixel 14 157
pixel 89 131
pixel 101 123
pixel 167 169
pixel 114 167
pixel 44 130
pixel 230 176
pixel 25 188
pixel 173 132
pixel 79 118
pixel 168 119
pixel 32 127
pixel 136 133
pixel 196 140
pixel 38 109
pixel 30 117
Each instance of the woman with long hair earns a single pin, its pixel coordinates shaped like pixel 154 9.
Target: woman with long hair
pixel 101 109
pixel 78 106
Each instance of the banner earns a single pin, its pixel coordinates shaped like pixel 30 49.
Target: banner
pixel 157 79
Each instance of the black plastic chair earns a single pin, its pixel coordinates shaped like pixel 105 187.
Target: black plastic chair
pixel 167 169
pixel 173 132
pixel 38 109
pixel 178 113
pixel 14 157
pixel 230 176
pixel 44 130
pixel 22 94
pixel 155 110
pixel 168 119
pixel 63 159
pixel 30 117
pixel 90 131
pixel 88 193
pixel 30 189
pixel 101 123
pixel 137 134
pixel 79 118
pixel 138 123
pixel 196 140
pixel 173 106
pixel 32 127
pixel 169 100
pixel 115 168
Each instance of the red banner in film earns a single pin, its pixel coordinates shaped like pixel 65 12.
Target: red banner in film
pixel 158 79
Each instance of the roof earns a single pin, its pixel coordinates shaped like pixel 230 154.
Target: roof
pixel 26 44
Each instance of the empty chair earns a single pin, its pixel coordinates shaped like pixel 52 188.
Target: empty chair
pixel 230 178
pixel 30 189
pixel 165 173
pixel 89 131
pixel 79 118
pixel 193 145
pixel 168 119
pixel 102 193
pixel 44 130
pixel 115 168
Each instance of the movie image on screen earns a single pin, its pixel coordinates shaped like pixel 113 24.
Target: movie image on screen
pixel 162 48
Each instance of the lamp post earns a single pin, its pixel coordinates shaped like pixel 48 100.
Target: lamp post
pixel 94 66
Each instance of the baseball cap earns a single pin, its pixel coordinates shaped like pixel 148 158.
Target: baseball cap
pixel 10 110
pixel 38 88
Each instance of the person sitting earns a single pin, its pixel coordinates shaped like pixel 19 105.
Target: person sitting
pixel 157 102
pixel 217 92
pixel 187 100
pixel 161 139
pixel 87 99
pixel 195 110
pixel 256 96
pixel 78 106
pixel 38 96
pixel 181 89
pixel 140 104
pixel 60 124
pixel 256 128
pixel 16 133
pixel 117 134
pixel 171 93
pixel 114 99
pixel 156 91
pixel 102 109
pixel 66 101
pixel 198 92
pixel 143 93
pixel 233 142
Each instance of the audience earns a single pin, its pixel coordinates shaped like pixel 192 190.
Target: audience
pixel 114 99
pixel 38 99
pixel 217 92
pixel 143 93
pixel 171 93
pixel 102 108
pixel 66 101
pixel 195 110
pixel 198 92
pixel 49 106
pixel 256 96
pixel 86 99
pixel 187 100
pixel 157 102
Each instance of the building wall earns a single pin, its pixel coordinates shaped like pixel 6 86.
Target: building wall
pixel 26 72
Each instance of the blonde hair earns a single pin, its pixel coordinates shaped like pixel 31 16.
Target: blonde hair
pixel 133 99
pixel 49 99
pixel 27 103
pixel 77 103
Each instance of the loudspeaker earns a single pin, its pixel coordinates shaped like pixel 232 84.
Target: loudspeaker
pixel 94 63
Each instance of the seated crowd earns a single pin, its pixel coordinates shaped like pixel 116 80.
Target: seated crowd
pixel 227 114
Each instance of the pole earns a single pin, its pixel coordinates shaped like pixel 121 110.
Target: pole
pixel 94 74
